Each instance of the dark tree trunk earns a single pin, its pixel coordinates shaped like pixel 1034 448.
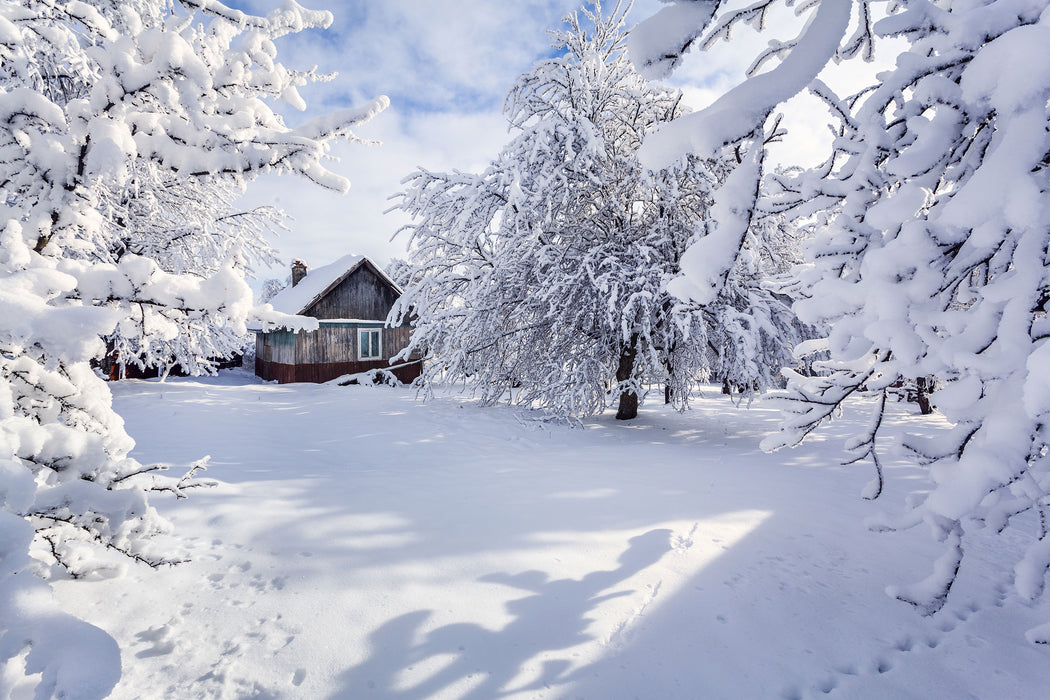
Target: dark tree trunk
pixel 922 396
pixel 628 400
pixel 668 391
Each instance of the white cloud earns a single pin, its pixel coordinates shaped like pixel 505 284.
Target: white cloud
pixel 327 225
pixel 426 55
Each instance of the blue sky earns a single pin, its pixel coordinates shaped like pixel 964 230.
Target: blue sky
pixel 446 65
pixel 426 55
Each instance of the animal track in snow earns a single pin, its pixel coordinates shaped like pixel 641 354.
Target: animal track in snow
pixel 827 686
pixel 944 623
pixel 618 636
pixel 227 675
pixel 680 543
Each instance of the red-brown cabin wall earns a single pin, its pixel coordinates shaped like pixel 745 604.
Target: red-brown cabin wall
pixel 323 355
pixel 285 374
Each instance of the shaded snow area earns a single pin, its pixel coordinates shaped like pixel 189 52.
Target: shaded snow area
pixel 362 544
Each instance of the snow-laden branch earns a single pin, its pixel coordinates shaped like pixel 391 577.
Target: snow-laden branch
pixel 741 111
pixel 707 263
pixel 929 262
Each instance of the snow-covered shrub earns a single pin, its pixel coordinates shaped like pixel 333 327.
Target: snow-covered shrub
pixel 107 109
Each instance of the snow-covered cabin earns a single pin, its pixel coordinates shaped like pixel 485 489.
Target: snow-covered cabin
pixel 351 299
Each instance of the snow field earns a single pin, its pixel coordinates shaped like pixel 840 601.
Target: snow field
pixel 362 544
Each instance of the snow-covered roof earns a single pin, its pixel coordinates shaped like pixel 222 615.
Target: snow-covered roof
pixel 297 299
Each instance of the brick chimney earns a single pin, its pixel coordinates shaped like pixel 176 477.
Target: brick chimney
pixel 298 272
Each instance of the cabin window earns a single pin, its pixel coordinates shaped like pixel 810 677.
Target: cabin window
pixel 369 346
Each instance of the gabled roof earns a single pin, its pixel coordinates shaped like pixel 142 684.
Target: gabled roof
pixel 317 283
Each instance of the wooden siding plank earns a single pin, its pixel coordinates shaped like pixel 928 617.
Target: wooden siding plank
pixel 317 373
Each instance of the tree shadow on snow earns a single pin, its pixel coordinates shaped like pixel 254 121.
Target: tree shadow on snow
pixel 480 663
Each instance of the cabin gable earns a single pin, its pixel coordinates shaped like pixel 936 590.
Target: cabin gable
pixel 362 294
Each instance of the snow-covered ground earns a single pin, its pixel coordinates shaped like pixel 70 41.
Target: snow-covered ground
pixel 362 544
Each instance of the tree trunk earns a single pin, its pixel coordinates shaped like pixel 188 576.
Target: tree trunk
pixel 922 396
pixel 628 400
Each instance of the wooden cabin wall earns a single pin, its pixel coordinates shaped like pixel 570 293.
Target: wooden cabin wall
pixel 406 373
pixel 327 353
pixel 263 350
pixel 362 295
pixel 325 345
pixel 339 344
pixel 395 340
pixel 276 346
pixel 275 356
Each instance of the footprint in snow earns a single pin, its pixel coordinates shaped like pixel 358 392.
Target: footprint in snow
pixel 163 642
pixel 946 623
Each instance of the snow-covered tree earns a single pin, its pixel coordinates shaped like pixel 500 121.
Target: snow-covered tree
pixel 188 227
pixel 399 270
pixel 933 260
pixel 271 288
pixel 753 327
pixel 543 278
pixel 105 105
